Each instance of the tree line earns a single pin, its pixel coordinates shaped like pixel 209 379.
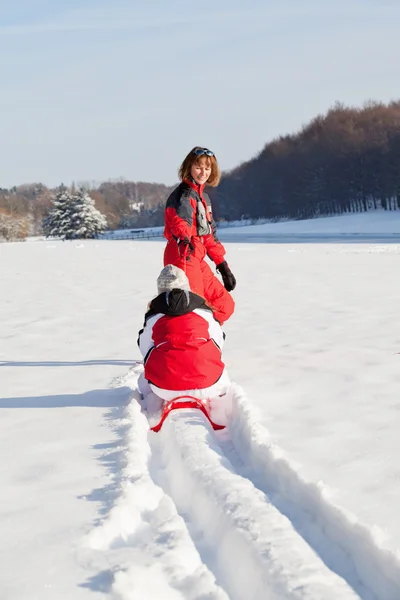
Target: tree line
pixel 345 161
pixel 124 204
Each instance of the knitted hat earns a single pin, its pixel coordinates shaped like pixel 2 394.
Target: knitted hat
pixel 171 278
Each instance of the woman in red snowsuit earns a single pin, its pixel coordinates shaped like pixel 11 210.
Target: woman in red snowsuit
pixel 191 233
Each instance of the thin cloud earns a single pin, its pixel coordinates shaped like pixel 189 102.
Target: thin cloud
pixel 105 23
pixel 77 21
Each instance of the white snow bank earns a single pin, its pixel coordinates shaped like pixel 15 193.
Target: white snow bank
pixel 155 556
pixel 350 548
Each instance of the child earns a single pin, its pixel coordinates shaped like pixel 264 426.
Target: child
pixel 181 344
pixel 191 233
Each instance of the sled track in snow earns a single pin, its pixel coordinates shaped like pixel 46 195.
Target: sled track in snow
pixel 248 525
pixel 251 548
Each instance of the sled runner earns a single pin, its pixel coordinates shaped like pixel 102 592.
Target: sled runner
pixel 185 402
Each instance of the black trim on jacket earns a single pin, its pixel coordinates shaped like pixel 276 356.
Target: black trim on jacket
pixel 174 304
pixel 179 200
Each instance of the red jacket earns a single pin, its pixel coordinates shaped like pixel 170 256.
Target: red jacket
pixel 181 342
pixel 188 214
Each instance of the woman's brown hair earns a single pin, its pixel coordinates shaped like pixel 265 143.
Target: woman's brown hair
pixel 192 158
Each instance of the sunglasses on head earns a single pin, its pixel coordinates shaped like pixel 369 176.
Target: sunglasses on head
pixel 200 151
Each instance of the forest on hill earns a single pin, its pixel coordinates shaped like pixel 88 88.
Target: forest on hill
pixel 347 160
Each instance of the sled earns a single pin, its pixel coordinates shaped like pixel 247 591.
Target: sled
pixel 185 402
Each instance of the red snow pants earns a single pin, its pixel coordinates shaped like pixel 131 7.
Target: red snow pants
pixel 201 278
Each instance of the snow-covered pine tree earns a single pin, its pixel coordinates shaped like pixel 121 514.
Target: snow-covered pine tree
pixel 58 221
pixel 88 221
pixel 73 216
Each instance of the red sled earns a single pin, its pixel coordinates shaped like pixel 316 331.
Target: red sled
pixel 185 402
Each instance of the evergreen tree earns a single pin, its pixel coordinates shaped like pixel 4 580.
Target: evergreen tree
pixel 73 216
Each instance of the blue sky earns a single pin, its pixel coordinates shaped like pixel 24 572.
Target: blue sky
pixel 95 90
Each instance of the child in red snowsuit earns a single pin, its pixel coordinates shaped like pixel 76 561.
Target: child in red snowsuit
pixel 181 343
pixel 191 233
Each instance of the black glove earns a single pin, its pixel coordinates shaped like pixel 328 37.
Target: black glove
pixel 227 276
pixel 185 247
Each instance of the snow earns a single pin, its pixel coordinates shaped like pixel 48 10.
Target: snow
pixel 372 222
pixel 297 498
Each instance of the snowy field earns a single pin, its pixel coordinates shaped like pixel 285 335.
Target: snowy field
pixel 373 226
pixel 373 222
pixel 297 499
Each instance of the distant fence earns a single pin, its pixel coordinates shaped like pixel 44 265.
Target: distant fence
pixel 143 234
pixel 132 235
pixel 245 222
pixel 128 235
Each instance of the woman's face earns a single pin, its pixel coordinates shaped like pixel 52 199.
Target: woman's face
pixel 201 170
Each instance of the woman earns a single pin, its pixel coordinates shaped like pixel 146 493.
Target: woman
pixel 191 233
